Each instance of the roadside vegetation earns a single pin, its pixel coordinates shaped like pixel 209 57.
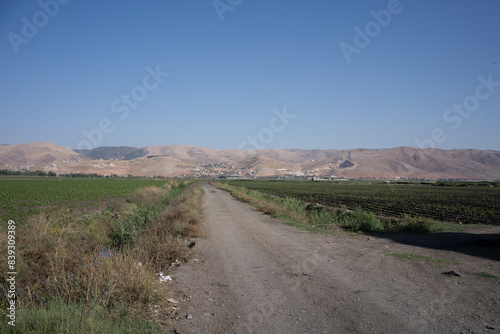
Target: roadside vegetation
pixel 464 202
pixel 98 270
pixel 320 217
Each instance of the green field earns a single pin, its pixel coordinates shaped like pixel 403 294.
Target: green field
pixel 20 199
pixel 468 203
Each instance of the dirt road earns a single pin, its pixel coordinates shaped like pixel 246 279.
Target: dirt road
pixel 254 274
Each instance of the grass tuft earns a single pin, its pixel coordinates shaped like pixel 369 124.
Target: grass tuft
pixel 420 258
pixel 359 221
pixel 486 275
pixel 410 224
pixel 58 316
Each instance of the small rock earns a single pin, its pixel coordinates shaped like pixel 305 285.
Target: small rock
pixel 192 244
pixel 370 238
pixel 489 327
pixel 450 273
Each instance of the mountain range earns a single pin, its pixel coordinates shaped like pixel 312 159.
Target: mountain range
pixel 193 161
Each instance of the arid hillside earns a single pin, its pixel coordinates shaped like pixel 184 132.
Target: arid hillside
pixel 36 154
pixel 192 161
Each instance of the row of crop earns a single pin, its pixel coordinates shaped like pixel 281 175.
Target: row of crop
pixel 468 205
pixel 20 199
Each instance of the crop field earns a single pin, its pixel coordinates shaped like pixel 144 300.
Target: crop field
pixel 467 203
pixel 20 199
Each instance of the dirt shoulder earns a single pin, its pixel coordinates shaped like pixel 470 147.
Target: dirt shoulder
pixel 254 274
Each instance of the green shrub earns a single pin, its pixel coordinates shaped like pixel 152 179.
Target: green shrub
pixel 409 224
pixel 322 217
pixel 294 205
pixel 127 229
pixel 359 220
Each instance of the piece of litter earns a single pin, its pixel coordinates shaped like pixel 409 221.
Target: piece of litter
pixel 172 300
pixel 164 278
pixel 450 273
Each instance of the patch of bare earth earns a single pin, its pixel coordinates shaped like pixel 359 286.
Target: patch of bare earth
pixel 254 274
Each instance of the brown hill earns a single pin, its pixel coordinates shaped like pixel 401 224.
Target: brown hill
pixel 193 161
pixel 187 153
pixel 36 154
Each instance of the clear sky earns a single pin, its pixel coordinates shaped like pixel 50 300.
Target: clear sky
pixel 340 74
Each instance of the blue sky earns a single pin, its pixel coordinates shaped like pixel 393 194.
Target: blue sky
pixel 230 63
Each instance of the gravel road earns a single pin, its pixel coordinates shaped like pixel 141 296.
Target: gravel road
pixel 254 274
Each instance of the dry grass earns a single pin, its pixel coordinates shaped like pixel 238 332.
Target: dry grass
pixel 148 197
pixel 68 263
pixel 48 244
pixel 164 241
pixel 71 259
